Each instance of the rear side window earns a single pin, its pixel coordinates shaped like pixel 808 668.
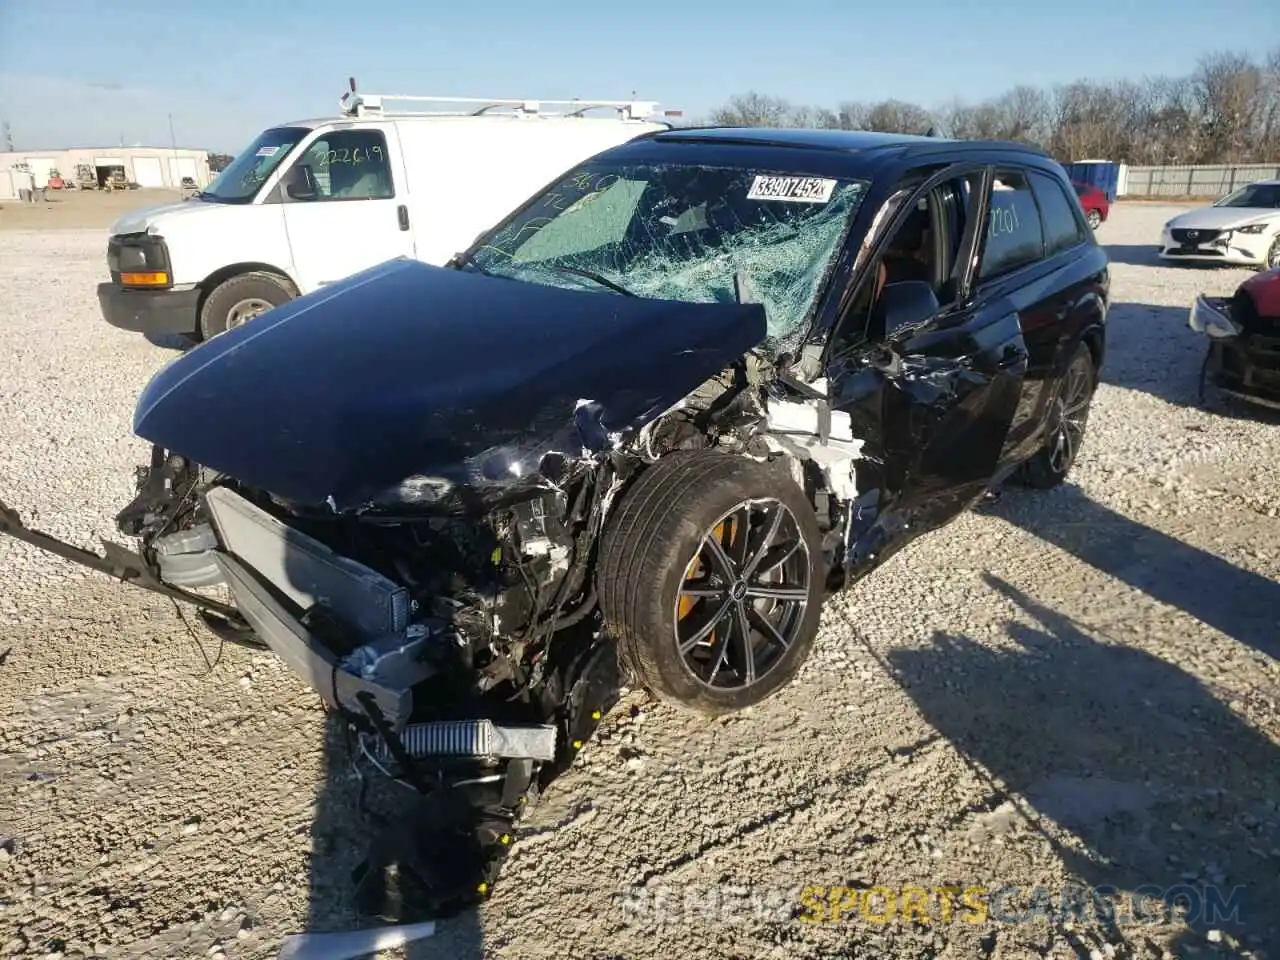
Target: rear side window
pixel 1062 230
pixel 1014 236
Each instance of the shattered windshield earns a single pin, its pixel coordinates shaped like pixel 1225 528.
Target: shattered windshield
pixel 240 181
pixel 679 232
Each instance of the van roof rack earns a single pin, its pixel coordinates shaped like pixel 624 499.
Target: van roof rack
pixel 355 104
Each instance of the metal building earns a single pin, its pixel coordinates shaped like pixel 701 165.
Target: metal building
pixel 145 166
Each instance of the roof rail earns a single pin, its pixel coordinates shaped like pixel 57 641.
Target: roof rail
pixel 355 104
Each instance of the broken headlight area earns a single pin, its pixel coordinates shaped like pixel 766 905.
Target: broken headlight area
pixel 167 515
pixel 1243 358
pixel 1212 317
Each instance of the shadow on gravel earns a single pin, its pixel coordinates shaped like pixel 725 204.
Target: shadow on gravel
pixel 1174 797
pixel 1138 255
pixel 1148 255
pixel 1239 603
pixel 170 341
pixel 1151 349
pixel 341 836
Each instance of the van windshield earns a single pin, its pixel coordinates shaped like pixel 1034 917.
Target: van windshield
pixel 240 181
pixel 699 234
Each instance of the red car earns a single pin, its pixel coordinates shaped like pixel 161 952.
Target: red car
pixel 1244 339
pixel 1095 203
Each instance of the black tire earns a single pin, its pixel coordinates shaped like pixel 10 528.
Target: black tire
pixel 662 529
pixel 230 302
pixel 1273 256
pixel 1070 405
pixel 1094 218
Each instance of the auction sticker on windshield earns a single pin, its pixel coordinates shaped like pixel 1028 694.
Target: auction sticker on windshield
pixel 792 189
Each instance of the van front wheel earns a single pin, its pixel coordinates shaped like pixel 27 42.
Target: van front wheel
pixel 240 299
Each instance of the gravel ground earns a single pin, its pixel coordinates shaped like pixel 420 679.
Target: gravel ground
pixel 1072 687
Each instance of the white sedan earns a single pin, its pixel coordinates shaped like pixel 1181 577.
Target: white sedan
pixel 1242 229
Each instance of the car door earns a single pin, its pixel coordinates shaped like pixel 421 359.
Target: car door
pixel 934 391
pixel 1033 235
pixel 344 205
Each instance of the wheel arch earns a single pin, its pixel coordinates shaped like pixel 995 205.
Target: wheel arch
pixel 223 274
pixel 1095 338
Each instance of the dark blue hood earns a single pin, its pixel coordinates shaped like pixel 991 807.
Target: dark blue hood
pixel 408 369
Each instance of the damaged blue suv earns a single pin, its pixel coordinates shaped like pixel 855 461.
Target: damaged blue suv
pixel 642 428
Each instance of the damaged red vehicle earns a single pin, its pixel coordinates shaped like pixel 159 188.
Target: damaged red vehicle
pixel 1243 361
pixel 642 428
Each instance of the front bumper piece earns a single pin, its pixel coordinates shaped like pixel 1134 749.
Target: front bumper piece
pixel 156 312
pixel 1225 247
pixel 276 574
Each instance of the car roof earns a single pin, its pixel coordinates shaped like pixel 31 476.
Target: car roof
pixel 858 153
pixel 848 141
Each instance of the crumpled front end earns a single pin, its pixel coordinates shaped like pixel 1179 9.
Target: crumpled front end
pixel 1243 360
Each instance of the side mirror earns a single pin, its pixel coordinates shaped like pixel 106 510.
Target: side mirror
pixel 907 303
pixel 300 182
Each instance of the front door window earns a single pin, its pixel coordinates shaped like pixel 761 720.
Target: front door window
pixel 345 165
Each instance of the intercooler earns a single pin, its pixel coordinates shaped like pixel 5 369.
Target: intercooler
pixel 473 738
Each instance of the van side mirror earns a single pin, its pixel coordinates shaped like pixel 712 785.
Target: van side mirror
pixel 300 182
pixel 907 303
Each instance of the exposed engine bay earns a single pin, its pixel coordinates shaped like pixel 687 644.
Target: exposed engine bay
pixel 445 602
pixel 456 627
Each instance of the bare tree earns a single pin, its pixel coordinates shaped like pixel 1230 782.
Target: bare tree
pixel 753 109
pixel 1229 88
pixel 853 115
pixel 898 116
pixel 1226 111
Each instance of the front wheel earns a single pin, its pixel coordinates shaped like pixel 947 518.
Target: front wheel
pixel 1095 219
pixel 240 299
pixel 1273 256
pixel 1070 410
pixel 711 580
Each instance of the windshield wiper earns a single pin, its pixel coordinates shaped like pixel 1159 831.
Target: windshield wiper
pixel 461 260
pixel 590 275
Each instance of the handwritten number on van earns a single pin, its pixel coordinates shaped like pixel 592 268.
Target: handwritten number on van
pixel 372 154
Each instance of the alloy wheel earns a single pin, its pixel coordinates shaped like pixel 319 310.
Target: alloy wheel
pixel 1095 219
pixel 1273 255
pixel 743 596
pixel 245 310
pixel 1073 414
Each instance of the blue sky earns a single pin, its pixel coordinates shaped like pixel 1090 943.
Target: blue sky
pixel 79 73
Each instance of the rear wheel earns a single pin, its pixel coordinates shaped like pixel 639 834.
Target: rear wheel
pixel 1095 218
pixel 240 299
pixel 1051 464
pixel 711 580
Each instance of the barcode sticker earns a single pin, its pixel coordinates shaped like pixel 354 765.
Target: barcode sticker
pixel 792 189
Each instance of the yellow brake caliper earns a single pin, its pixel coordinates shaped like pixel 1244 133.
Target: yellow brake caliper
pixel 695 570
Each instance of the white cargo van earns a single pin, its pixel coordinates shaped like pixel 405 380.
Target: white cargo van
pixel 315 201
